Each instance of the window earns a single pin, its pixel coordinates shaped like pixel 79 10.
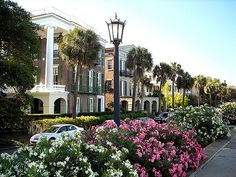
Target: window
pixel 109 64
pixel 125 88
pixel 122 65
pixel 62 129
pixel 70 128
pixel 90 104
pixel 55 75
pixel 78 105
pixel 130 89
pixel 55 50
pixel 99 79
pixel 108 86
pixel 121 88
pixel 90 80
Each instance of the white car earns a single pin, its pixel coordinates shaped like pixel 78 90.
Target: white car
pixel 55 131
pixel 145 119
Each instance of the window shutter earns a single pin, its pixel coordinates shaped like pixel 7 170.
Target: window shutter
pixel 59 74
pixel 88 89
pixel 94 82
pixel 102 83
pixel 94 105
pixel 88 105
pixel 97 86
pixel 81 104
pixel 102 56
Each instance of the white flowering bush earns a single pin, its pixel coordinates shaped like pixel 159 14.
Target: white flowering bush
pixel 229 112
pixel 205 120
pixel 66 157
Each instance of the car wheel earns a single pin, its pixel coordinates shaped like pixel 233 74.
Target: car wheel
pixel 51 140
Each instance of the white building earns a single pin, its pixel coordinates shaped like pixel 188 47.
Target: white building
pixel 53 92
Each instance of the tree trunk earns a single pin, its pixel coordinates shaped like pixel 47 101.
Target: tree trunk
pixel 173 94
pixel 142 90
pixel 76 91
pixel 198 99
pixel 159 97
pixel 183 97
pixel 210 99
pixel 134 92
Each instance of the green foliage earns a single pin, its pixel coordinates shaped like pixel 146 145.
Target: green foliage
pixel 19 42
pixel 184 81
pixel 229 112
pixel 177 97
pixel 161 72
pixel 205 120
pixel 67 157
pixel 37 126
pixel 139 60
pixel 178 100
pixel 175 71
pixel 79 48
pixel 199 84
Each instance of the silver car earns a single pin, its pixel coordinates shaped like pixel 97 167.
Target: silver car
pixel 55 131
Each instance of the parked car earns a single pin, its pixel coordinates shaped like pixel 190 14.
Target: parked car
pixel 54 132
pixel 145 119
pixel 163 117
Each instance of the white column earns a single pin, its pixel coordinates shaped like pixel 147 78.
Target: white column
pixel 49 58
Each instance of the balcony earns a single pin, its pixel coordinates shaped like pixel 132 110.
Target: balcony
pixel 42 88
pixel 88 90
pixel 126 73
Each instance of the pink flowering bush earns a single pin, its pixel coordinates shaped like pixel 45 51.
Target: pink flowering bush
pixel 154 149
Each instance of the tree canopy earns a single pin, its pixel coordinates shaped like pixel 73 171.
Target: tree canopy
pixel 19 43
pixel 79 48
pixel 161 72
pixel 139 60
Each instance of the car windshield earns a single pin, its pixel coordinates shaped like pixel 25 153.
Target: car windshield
pixel 51 130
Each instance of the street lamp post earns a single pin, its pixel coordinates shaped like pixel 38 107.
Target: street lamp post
pixel 115 29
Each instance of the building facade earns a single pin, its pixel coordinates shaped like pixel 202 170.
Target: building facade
pixel 143 101
pixel 53 92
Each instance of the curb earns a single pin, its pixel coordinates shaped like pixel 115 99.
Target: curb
pixel 206 162
pixel 214 154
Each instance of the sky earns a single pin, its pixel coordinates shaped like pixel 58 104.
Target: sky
pixel 198 34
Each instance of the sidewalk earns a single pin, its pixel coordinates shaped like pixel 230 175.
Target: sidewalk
pixel 221 161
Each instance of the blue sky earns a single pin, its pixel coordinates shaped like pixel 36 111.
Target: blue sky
pixel 200 35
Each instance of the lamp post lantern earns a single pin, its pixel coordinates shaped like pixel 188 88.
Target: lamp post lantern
pixel 115 29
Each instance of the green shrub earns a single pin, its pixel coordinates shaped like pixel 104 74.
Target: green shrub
pixel 37 126
pixel 205 120
pixel 229 112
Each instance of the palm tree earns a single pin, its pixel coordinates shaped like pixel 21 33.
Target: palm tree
pixel 184 81
pixel 138 60
pixel 175 70
pixel 212 88
pixel 199 84
pixel 79 48
pixel 145 82
pixel 161 72
pixel 223 91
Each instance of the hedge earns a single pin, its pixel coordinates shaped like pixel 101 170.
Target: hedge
pixel 37 126
pixel 229 112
